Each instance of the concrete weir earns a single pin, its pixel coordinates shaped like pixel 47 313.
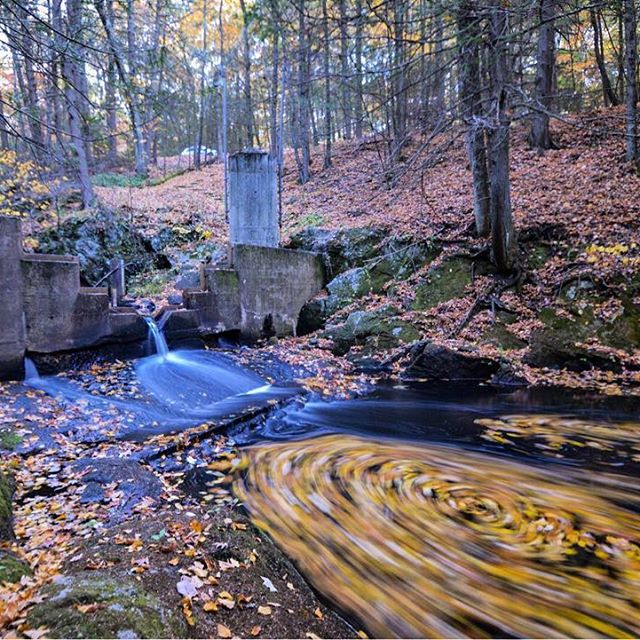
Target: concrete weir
pixel 259 291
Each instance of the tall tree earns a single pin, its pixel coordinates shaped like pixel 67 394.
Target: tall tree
pixel 72 78
pixel 631 80
pixel 503 238
pixel 126 66
pixel 471 111
pixel 327 88
pixel 540 138
pixel 248 101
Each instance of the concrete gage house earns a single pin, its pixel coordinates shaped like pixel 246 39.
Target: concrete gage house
pixel 260 291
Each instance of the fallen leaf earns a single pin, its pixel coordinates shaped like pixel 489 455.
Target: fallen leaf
pixel 210 606
pixel 264 611
pixel 188 586
pixel 223 632
pixel 267 583
pixel 318 614
pixel 255 630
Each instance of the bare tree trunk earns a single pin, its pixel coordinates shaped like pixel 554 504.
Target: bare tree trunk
pixel 327 88
pixel 439 75
pixel 248 102
pixel 359 110
pixel 223 77
pixel 540 138
pixel 4 131
pixel 201 115
pixel 399 81
pixel 127 79
pixel 345 80
pixel 503 239
pixel 609 95
pixel 471 112
pixel 273 106
pixel 303 95
pixel 631 81
pixel 72 80
pixel 111 108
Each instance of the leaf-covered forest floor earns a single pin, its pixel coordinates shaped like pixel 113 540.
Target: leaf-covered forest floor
pixel 577 212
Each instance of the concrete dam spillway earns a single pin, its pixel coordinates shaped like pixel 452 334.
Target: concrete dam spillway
pixel 258 291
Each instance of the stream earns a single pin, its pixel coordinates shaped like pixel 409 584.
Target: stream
pixel 422 510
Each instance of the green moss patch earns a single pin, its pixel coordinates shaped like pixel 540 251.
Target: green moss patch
pixel 118 609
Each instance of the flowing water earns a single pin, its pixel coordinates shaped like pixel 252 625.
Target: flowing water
pixel 458 512
pixel 431 510
pixel 174 390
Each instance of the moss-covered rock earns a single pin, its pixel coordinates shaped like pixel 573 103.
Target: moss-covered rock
pixel 95 239
pixel 7 488
pixel 9 439
pixel 122 610
pixel 399 259
pixel 343 249
pixel 375 330
pixel 559 343
pixel 12 568
pixel 500 336
pixel 444 282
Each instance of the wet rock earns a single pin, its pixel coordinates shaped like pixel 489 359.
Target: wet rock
pixel 378 330
pixel 119 608
pixel 12 568
pixel 130 477
pixel 7 489
pixel 439 362
pixel 95 239
pixel 500 336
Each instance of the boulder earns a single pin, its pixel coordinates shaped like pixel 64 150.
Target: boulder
pixel 95 239
pixel 398 260
pixel 447 281
pixel 378 330
pixel 343 249
pixel 134 480
pixel 439 362
pixel 560 341
pixel 123 609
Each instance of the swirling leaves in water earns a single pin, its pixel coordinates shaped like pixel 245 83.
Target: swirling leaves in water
pixel 557 436
pixel 438 541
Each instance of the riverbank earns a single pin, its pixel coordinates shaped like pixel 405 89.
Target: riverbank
pixel 105 536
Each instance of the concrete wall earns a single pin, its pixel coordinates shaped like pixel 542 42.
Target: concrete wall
pixel 262 294
pixel 253 199
pixel 274 286
pixel 12 325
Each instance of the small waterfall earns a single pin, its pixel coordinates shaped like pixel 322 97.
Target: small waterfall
pixel 157 336
pixel 30 371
